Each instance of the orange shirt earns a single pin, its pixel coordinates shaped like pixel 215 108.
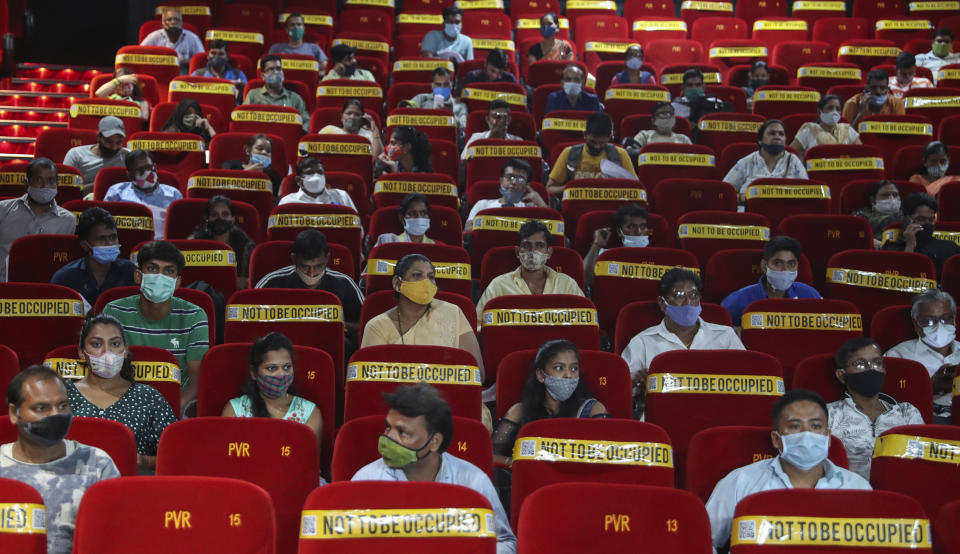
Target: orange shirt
pixel 893 106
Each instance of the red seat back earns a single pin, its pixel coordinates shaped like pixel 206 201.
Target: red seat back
pixel 671 72
pixel 35 258
pixel 706 232
pixel 891 132
pixel 824 74
pixel 777 198
pixel 892 325
pixel 776 101
pixel 282 121
pixel 220 93
pixel 54 143
pixel 38 317
pixel 722 128
pixel 242 37
pixel 418 70
pixel 637 316
pixel 485 158
pixel 340 153
pixel 178 153
pixel 867 53
pixel 586 195
pixel 436 124
pixel 86 113
pixel 728 271
pixel 186 215
pixel 390 189
pixel 159 62
pixel 207 260
pixel 24 537
pixel 823 235
pixel 340 224
pixel 672 198
pixel 478 95
pixel 659 161
pixel 837 164
pixel 834 28
pixel 498 227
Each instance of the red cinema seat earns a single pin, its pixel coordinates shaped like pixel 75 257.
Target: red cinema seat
pixel 775 30
pixel 673 198
pixel 436 124
pixel 283 121
pixel 637 316
pixel 779 198
pixel 564 450
pixel 485 158
pixel 86 113
pixel 658 161
pixel 230 146
pixel 275 254
pixel 445 227
pixel 516 322
pixel 250 187
pixel 657 229
pixel 400 91
pixel 707 29
pixel 823 75
pixel 477 96
pixel 836 511
pixel 720 129
pixel 605 374
pixel 793 329
pixel 874 279
pixel 891 132
pixel 775 101
pixel 587 195
pixel 548 72
pixel 948 130
pixel 521 125
pixel 390 189
pixel 503 259
pixel 624 275
pixel 9 365
pixel 605 26
pixel 35 258
pixel 632 515
pixel 451 265
pixel 792 54
pixel 946 525
pixel 297 87
pixel 892 325
pixel 731 270
pixel 623 100
pixel 950 277
pixel 854 195
pixel 418 70
pixel 321 117
pixel 742 445
pixel 242 39
pixel 663 53
pixel 909 159
pixel 300 67
pixel 587 9
pixel 705 232
pixel 162 112
pixel 26 510
pixel 375 370
pixel 867 53
pixel 280 456
pixel 55 142
pixel 178 153
pixel 726 53
pixel 649 27
pixel 489 25
pixel 367 501
pixel 207 260
pixel 340 224
pixel 186 215
pixel 949 76
pixel 340 153
pixel 211 513
pixel 334 92
pixel 380 301
pixel 837 164
pixel 822 236
pixel 134 221
pixel 934 103
pixel 445 157
pixel 652 10
pixel 906 381
pixel 356 445
pixel 901 30
pixel 219 93
pixel 36 318
pixel 159 62
pixel 606 71
pixel 835 29
pixel 498 227
pixel 193 296
pixel 752 10
pixel 691 12
pixel 685 392
pixel 596 52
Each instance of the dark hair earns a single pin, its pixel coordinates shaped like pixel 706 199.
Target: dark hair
pixel 410 199
pixel 933 148
pixel 340 52
pixel 690 74
pixel 626 53
pixel 792 396
pixel 270 58
pixel 219 199
pixel 759 64
pixel 917 199
pixel 218 43
pixel 551 15
pixel 626 211
pixel 532 227
pixel 253 140
pixel 517 163
pixel 779 244
pixel 135 155
pixel 175 120
pixel 441 71
pixel 534 392
pixel 943 32
pixel 424 400
pixel 126 371
pixel 137 92
pixel 497 58
pixel 306 163
pixel 906 60
pixel 353 102
pixel 674 276
pixel 497 104
pixel 825 99
pixel 90 218
pixel 574 66
pixel 406 262
pixel 15 388
pixel 766 124
pixel 878 75
pixel 875 188
pixel 451 10
pixel 419 143
pixel 599 124
pixel 657 106
pixel 848 348
pixel 310 244
pixel 291 16
pixel 40 162
pixel 163 251
pixel 267 343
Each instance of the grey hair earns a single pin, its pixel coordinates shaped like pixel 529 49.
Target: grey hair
pixel 931 295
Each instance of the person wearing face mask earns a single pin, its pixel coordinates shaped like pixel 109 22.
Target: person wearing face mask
pixel 864 412
pixel 187 117
pixel 917 233
pixel 450 43
pixel 498 121
pixel 107 152
pixel 634 73
pixel 827 129
pixel 629 227
pixel 663 118
pixel 296 28
pixel 781 258
pixel 108 389
pixel 102 268
pixel 801 436
pixel 440 97
pixel 60 470
pixel 596 158
pixel 408 151
pixel 413 447
pixel 936 166
pixel 770 160
pixel 345 65
pixel 313 189
pixel 694 102
pixel 906 78
pixel 273 92
pixel 144 187
pixel 155 317
pixel 941 53
pixel 494 70
pixel 173 35
pixel 269 391
pixel 551 47
pixel 758 76
pixel 414 215
pixel 220 223
pixel 533 276
pixel 934 315
pixel 259 157
pixel 355 121
pixel 874 100
pixel 882 208
pixel 218 65
pixel 515 192
pixel 125 86
pixel 572 96
pixel 34 213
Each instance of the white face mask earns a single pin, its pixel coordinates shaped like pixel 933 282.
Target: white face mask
pixel 939 335
pixel 315 183
pixel 571 88
pixel 888 206
pixel 830 118
pixel 664 125
pixel 636 241
pixel 106 366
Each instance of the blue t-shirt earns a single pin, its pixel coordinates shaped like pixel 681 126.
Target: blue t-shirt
pixel 586 102
pixel 77 276
pixel 737 301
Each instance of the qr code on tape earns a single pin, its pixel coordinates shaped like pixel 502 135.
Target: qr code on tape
pixel 233 312
pixel 382 267
pixel 756 320
pixel 528 448
pixel 915 448
pixel 747 531
pixel 351 372
pixel 308 526
pixel 39 518
pixel 837 276
pixel 613 269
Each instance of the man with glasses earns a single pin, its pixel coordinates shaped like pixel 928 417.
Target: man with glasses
pixel 273 93
pixel 144 187
pixel 498 121
pixel 173 35
pixel 864 412
pixel 934 314
pixel 778 268
pixel 917 233
pixel 515 191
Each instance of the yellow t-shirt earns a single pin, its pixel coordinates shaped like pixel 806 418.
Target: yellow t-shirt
pixel 589 167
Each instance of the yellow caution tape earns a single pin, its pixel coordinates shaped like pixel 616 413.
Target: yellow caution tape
pixel 479 4
pixel 203 88
pixel 339 221
pixel 944 74
pixel 505 151
pixel 549 317
pixel 739 52
pixel 70 180
pixel 911 447
pixel 210 258
pixel 300 65
pixel 390 186
pixel 234 36
pixel 605 194
pixel 185 10
pixel 591 5
pixel 286 313
pixel 777 25
pixel 135 223
pixel 904 24
pixel 705 383
pixel 612 47
pixel 675 158
pixel 512 224
pixel 727 232
pixel 728 126
pixel 655 25
pixel 787 191
pixel 557 124
pixel 315 19
pixel 895 128
pixel 101 110
pixel 413 372
pixel 630 270
pixel 146 59
pixel 229 183
pixel 378 3
pixel 40 307
pixel 709 78
pixel 377 523
pixel 266 117
pixel 844 164
pixel 884 281
pixel 442 270
pixel 528 23
pixel 157 145
pixel 802 5
pixel 491 43
pixel 343 148
pixel 371 45
pixel 648 95
pixel 932 101
pixel 707 6
pixel 593 451
pixel 23 518
pixel 786 96
pixel 144 372
pixel 882 51
pixel 352 92
pixel 933 6
pixel 421 65
pixel 830 72
pixel 420 18
pixel 893 235
pixel 421 120
pixel 514 98
pixel 839 532
pixel 802 321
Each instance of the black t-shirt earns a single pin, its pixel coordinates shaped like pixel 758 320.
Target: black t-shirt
pixel 937 250
pixel 332 281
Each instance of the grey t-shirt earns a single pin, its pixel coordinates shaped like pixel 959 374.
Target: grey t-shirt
pixel 61 483
pixel 89 164
pixel 307 48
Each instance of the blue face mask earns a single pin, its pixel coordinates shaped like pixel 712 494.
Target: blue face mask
pixel 265 161
pixel 684 316
pixel 442 91
pixel 512 196
pixel 636 241
pixel 805 450
pixel 548 31
pixel 105 254
pixel 452 29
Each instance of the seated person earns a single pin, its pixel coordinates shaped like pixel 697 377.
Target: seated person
pixel 664 117
pixel 553 389
pixel 109 391
pixel 882 208
pixel 596 158
pixel 296 28
pixel 173 35
pixel 633 73
pixel 441 97
pixel 155 317
pixel 218 66
pixel 414 214
pixel 269 391
pixel 827 129
pixel 419 419
pixel 533 276
pixel 906 78
pixel 345 65
pixel 259 151
pixel 781 257
pixel 101 269
pixel 355 121
pixel 187 117
pixel 107 152
pixel 144 187
pixel 917 232
pixel 941 52
pixel 450 43
pixel 494 71
pixel 272 92
pixel 125 86
pixel 551 48
pixel 312 181
pixel 515 191
pixel 498 121
pixel 630 224
pixel 864 412
pixel 874 100
pixel 694 102
pixel 418 317
pixel 801 435
pixel 220 223
pixel 758 76
pixel 408 151
pixel 572 96
pixel 60 470
pixel 934 315
pixel 936 162
pixel 770 160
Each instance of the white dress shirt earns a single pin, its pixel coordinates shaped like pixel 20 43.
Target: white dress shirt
pixel 335 197
pixel 919 351
pixel 647 344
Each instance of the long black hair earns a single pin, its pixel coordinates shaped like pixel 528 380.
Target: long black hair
pixel 175 122
pixel 419 146
pixel 126 371
pixel 535 392
pixel 266 343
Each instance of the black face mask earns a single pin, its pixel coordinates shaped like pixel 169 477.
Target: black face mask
pixel 349 69
pixel 173 33
pixel 926 233
pixel 49 430
pixel 866 383
pixel 594 151
pixel 106 153
pixel 219 226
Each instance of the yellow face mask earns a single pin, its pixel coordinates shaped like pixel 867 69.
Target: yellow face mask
pixel 419 292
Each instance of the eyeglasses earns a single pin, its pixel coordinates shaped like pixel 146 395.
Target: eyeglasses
pixel 929 321
pixel 862 365
pixel 514 178
pixel 679 295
